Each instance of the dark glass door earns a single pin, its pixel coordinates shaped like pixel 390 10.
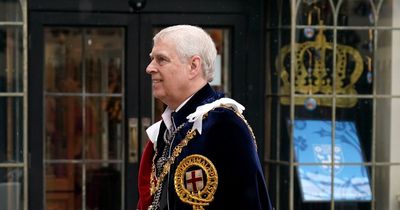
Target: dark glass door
pixel 83 120
pixel 79 131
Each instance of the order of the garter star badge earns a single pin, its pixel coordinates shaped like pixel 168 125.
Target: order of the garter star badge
pixel 196 181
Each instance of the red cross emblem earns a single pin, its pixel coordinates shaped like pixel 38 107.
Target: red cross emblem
pixel 194 180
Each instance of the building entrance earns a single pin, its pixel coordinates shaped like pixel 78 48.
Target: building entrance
pixel 91 101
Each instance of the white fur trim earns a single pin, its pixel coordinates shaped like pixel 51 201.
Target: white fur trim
pixel 197 116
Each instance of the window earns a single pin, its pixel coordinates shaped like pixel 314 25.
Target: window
pixel 83 117
pixel 333 61
pixel 13 112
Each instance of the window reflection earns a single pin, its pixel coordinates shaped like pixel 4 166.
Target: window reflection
pixel 10 59
pixel 12 108
pixel 357 13
pixel 83 112
pixel 221 39
pixel 312 12
pixel 342 71
pixel 10 10
pixel 11 188
pixel 11 127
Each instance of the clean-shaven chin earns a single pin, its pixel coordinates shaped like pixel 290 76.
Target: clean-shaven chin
pixel 156 83
pixel 157 87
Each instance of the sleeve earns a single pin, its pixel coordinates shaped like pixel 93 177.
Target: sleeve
pixel 145 198
pixel 241 180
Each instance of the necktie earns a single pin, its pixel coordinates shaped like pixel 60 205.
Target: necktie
pixel 173 126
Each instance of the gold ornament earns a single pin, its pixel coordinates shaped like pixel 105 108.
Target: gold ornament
pixel 204 196
pixel 155 182
pixel 316 78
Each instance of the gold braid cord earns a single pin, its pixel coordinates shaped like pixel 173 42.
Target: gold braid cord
pixel 245 121
pixel 155 182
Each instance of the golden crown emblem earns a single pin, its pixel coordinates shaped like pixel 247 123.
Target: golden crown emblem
pixel 312 76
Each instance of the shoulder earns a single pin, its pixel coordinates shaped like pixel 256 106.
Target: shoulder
pixel 225 113
pixel 227 119
pixel 227 123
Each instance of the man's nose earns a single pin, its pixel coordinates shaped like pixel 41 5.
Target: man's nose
pixel 150 68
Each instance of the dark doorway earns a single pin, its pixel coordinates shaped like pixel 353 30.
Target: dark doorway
pixel 86 132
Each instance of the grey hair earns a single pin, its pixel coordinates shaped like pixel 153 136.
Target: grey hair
pixel 190 41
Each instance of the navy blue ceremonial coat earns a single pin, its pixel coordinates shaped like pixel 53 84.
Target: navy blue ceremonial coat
pixel 228 143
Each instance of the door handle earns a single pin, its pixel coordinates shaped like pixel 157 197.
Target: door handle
pixel 146 122
pixel 133 140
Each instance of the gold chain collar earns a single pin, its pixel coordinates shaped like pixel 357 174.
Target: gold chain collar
pixel 155 182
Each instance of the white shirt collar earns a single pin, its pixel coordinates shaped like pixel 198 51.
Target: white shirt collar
pixel 154 129
pixel 166 115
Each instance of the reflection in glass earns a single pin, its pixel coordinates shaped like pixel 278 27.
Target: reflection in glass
pixel 11 175
pixel 307 109
pixel 103 59
pixel 311 12
pixel 364 91
pixel 11 127
pixel 313 144
pixel 64 128
pixel 315 71
pixel 61 200
pixel 362 123
pixel 275 138
pixel 83 112
pixel 386 68
pixel 61 176
pixel 386 187
pixel 278 13
pixel 12 108
pixel 221 38
pixel 386 13
pixel 11 191
pixel 351 183
pixel 278 185
pixel 63 186
pixel 387 130
pixel 357 13
pixel 11 58
pixel 103 187
pixel 10 10
pixel 278 39
pixel 63 62
pixel 103 119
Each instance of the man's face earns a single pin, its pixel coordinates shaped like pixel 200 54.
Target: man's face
pixel 169 74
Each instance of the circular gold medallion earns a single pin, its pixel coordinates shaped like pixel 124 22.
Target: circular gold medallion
pixel 196 181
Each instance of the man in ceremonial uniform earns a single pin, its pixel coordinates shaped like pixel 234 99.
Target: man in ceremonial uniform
pixel 203 153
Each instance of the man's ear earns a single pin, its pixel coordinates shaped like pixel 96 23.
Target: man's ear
pixel 195 66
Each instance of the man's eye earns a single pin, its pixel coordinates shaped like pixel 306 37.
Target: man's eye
pixel 161 60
